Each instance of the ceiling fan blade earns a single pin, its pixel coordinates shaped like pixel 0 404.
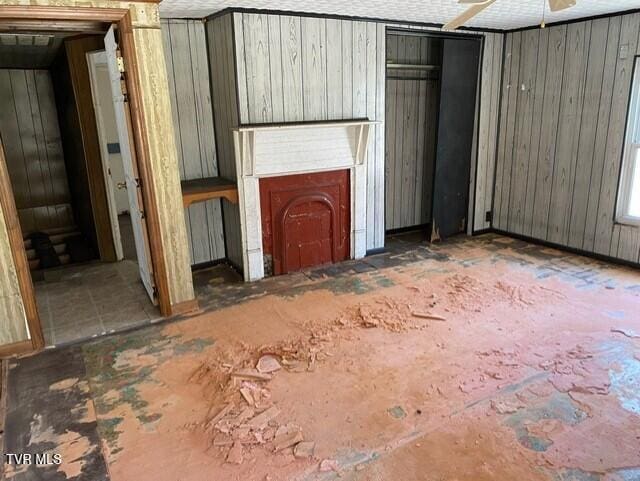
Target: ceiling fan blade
pixel 467 15
pixel 557 5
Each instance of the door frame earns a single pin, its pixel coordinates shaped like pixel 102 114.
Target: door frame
pixel 82 16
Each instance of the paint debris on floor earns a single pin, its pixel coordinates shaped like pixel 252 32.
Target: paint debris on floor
pixel 477 359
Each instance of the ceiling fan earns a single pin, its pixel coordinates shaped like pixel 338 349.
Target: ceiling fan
pixel 477 6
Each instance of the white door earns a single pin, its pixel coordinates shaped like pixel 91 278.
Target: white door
pixel 123 122
pixel 98 71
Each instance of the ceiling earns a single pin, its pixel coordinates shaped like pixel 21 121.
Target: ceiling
pixel 25 50
pixel 503 14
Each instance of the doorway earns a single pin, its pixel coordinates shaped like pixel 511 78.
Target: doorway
pixel 59 170
pixel 431 85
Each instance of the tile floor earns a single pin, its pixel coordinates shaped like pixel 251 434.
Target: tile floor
pixel 88 300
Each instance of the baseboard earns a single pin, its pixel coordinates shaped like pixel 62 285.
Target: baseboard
pixel 488 230
pixel 414 228
pixel 206 265
pixel 16 349
pixel 373 252
pixel 571 250
pixel 185 307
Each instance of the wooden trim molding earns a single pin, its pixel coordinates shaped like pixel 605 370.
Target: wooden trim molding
pixel 19 254
pixel 33 12
pixel 127 45
pixel 16 349
pixel 186 307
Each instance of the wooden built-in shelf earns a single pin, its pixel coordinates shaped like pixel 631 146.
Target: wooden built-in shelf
pixel 200 190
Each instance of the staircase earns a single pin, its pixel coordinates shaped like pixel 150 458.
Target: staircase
pixel 58 239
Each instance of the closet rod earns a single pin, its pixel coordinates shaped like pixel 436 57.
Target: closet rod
pixel 410 66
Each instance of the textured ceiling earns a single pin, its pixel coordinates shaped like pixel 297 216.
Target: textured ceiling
pixel 503 14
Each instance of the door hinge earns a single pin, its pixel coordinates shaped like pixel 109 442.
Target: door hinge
pixel 120 62
pixel 142 214
pixel 138 182
pixel 155 292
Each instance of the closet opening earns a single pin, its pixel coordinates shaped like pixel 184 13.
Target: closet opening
pixel 431 98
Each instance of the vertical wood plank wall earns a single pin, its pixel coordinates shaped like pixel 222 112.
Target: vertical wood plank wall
pixel 12 315
pixel 33 149
pixel 185 50
pixel 220 41
pixel 293 69
pixel 410 132
pixel 564 107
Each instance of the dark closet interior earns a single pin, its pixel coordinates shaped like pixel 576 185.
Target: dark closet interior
pixel 431 85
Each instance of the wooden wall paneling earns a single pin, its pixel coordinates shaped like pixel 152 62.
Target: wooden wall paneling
pixel 29 143
pixel 484 125
pixel 188 75
pixel 578 123
pixel 235 51
pixel 510 128
pixel 420 179
pixel 276 68
pixel 597 49
pixel 347 70
pixel 522 131
pixel 204 115
pixel 410 121
pixel 18 310
pixel 29 123
pixel 225 96
pixel 314 65
pixel 51 145
pixel 371 89
pixel 376 239
pixel 568 131
pixel 334 69
pixel 255 38
pixel 390 144
pixel 12 314
pixel 600 141
pixel 291 38
pixel 359 59
pixel 175 111
pixel 498 215
pixel 536 128
pixel 401 88
pixel 615 137
pixel 548 134
pixel 492 139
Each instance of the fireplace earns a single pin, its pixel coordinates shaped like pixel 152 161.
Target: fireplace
pixel 306 220
pixel 302 194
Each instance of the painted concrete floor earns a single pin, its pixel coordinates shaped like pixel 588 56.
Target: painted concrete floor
pixel 476 359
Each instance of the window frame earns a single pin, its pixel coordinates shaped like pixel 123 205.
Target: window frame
pixel 631 152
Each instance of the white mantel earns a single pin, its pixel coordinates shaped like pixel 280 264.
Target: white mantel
pixel 298 148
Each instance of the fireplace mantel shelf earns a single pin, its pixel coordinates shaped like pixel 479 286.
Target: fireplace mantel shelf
pixel 307 125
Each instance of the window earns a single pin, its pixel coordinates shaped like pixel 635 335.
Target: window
pixel 628 211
